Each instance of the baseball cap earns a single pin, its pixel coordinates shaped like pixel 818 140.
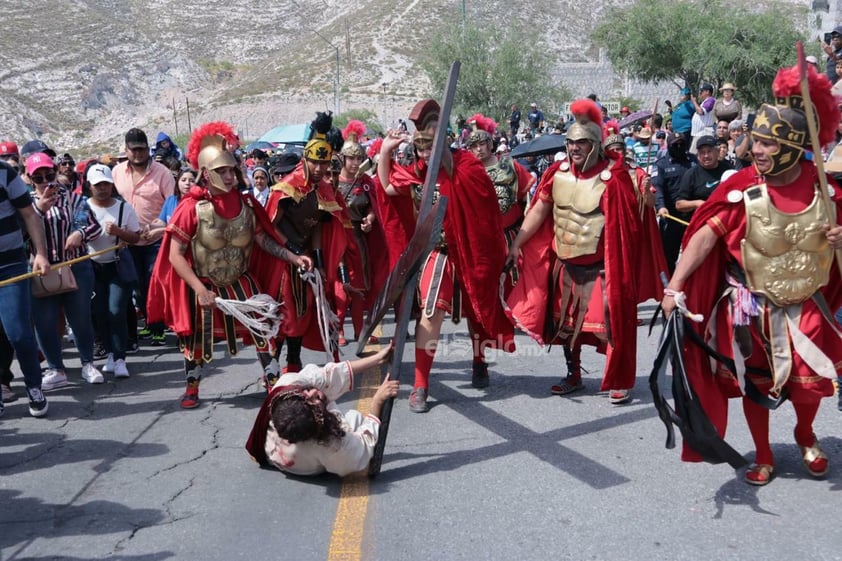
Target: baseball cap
pixel 837 30
pixel 8 148
pixel 35 146
pixel 533 104
pixel 99 173
pixel 706 140
pixel 673 138
pixel 37 161
pixel 136 138
pixel 285 163
pixel 706 87
pixel 811 59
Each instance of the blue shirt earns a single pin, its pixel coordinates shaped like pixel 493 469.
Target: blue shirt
pixel 168 209
pixel 682 116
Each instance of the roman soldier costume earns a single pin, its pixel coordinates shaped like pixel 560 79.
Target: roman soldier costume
pixel 587 248
pixel 365 260
pixel 512 183
pixel 767 288
pixel 219 231
pixel 308 218
pixel 461 274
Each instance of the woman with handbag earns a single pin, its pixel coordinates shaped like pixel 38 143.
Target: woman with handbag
pixel 115 275
pixel 69 225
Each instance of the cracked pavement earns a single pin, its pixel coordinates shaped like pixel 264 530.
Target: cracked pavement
pixel 120 471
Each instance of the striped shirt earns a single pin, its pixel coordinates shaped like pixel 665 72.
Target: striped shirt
pixel 14 194
pixel 69 214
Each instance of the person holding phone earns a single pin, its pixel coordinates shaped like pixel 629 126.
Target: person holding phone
pixel 69 225
pixel 832 47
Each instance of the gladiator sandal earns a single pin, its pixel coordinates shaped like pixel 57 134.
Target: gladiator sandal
pixel 573 381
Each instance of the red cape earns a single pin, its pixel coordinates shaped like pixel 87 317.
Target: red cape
pixel 527 304
pixel 473 229
pixel 476 246
pixel 653 261
pixel 168 300
pixel 704 286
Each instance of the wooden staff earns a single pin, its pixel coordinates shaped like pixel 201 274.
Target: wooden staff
pixel 60 265
pixel 812 127
pixel 674 219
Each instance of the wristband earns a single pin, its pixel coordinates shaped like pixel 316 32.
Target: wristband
pixel 293 247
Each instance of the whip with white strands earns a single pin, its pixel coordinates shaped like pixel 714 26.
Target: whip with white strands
pixel 328 321
pixel 261 314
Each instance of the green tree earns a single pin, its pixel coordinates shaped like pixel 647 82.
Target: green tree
pixel 498 69
pixel 370 118
pixel 688 42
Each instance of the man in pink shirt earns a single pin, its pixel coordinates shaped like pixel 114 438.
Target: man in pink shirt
pixel 144 184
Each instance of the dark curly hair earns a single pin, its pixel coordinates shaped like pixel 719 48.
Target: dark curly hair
pixel 297 420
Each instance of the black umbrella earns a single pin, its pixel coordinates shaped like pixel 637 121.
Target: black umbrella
pixel 634 118
pixel 544 144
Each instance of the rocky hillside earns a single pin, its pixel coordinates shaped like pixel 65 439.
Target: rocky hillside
pixel 78 73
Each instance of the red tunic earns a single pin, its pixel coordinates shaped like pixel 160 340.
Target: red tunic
pixel 706 284
pixel 617 249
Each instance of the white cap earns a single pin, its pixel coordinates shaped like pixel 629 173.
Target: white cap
pixel 99 173
pixel 812 60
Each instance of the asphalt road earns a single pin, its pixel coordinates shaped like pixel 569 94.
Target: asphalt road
pixel 119 471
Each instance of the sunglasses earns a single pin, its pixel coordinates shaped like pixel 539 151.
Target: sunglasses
pixel 43 178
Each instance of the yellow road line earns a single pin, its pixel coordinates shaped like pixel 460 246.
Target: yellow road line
pixel 347 535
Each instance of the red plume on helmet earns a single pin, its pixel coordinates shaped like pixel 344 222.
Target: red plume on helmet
pixel 484 123
pixel 586 109
pixel 609 127
pixel 194 145
pixel 374 148
pixel 787 83
pixel 354 127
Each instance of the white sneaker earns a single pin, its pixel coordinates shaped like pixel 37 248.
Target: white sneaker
pixel 109 364
pixel 91 375
pixel 53 379
pixel 120 370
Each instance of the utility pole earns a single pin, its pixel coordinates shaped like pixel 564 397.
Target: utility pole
pixel 336 76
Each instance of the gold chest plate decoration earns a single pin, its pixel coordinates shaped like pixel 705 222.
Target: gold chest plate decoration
pixel 578 221
pixel 221 248
pixel 786 256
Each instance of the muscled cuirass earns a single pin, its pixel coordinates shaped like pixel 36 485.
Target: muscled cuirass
pixel 221 248
pixel 578 220
pixel 356 199
pixel 503 176
pixel 300 219
pixel 786 257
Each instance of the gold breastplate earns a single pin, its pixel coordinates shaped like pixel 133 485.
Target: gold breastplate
pixel 578 220
pixel 221 248
pixel 786 257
